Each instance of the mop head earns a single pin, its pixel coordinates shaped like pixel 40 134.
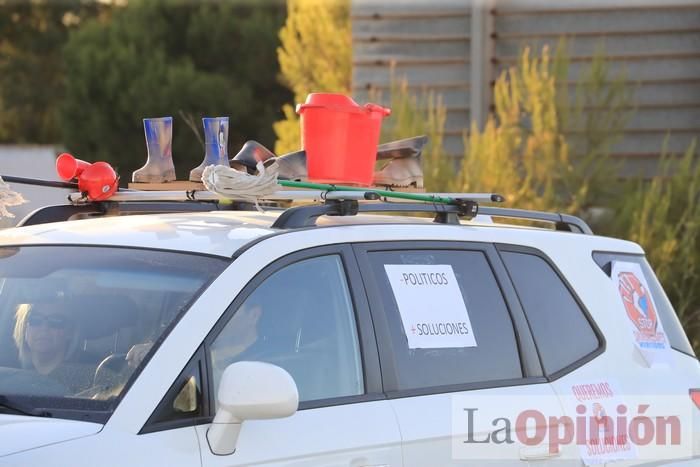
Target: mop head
pixel 8 198
pixel 234 184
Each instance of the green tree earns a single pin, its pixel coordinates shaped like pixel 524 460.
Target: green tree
pixel 315 55
pixel 159 58
pixel 31 66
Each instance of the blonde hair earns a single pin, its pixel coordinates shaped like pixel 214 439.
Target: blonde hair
pixel 20 336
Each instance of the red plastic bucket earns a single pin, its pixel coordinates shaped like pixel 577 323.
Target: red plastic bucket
pixel 340 138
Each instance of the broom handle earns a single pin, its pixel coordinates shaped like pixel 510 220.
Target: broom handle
pixel 429 198
pixel 38 182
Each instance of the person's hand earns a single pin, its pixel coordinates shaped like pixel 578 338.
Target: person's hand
pixel 137 353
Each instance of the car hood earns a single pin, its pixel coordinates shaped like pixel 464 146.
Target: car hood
pixel 20 433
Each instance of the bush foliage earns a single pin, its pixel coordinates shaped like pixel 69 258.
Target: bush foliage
pixel 663 216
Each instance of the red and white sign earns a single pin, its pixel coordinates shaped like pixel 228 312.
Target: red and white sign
pixel 642 313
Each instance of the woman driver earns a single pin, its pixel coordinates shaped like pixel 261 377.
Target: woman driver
pixel 46 337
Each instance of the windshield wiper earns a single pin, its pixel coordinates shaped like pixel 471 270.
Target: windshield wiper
pixel 21 409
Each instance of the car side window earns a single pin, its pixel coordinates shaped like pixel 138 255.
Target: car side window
pixel 454 328
pixel 561 330
pixel 302 319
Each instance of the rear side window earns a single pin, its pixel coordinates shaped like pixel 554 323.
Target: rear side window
pixel 448 321
pixel 562 332
pixel 672 326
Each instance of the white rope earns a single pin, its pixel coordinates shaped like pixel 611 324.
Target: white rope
pixel 230 183
pixel 8 198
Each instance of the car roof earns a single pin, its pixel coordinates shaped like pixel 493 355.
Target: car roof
pixel 217 233
pixel 222 233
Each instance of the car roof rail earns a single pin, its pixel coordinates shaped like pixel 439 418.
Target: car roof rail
pixel 306 216
pixel 562 222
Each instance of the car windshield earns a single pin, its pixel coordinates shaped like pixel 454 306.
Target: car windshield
pixel 76 323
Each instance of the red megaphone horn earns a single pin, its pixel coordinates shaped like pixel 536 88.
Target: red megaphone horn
pixel 98 181
pixel 68 167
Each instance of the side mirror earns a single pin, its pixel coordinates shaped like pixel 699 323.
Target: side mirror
pixel 250 391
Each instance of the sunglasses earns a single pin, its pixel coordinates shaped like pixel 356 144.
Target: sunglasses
pixel 53 322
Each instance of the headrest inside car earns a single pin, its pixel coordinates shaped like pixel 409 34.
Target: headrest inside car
pixel 100 315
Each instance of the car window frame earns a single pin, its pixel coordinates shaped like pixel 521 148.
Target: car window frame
pixel 602 344
pixel 367 344
pixel 529 358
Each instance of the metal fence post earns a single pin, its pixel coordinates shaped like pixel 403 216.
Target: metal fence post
pixel 481 51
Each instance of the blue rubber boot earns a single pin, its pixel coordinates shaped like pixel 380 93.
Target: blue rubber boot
pixel 215 145
pixel 159 143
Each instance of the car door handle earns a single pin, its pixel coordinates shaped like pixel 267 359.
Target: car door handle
pixel 537 453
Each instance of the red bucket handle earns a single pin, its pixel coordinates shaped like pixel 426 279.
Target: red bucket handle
pixel 366 108
pixel 378 108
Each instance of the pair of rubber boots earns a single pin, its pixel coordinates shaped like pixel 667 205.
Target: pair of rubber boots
pixel 159 136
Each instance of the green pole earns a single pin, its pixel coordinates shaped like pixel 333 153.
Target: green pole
pixel 384 193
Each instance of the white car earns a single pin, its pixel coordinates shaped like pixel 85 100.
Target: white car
pixel 230 338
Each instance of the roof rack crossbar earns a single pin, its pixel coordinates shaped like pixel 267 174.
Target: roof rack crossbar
pixel 306 216
pixel 563 222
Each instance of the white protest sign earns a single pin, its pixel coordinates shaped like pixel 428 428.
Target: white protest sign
pixel 431 306
pixel 642 315
pixel 593 405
